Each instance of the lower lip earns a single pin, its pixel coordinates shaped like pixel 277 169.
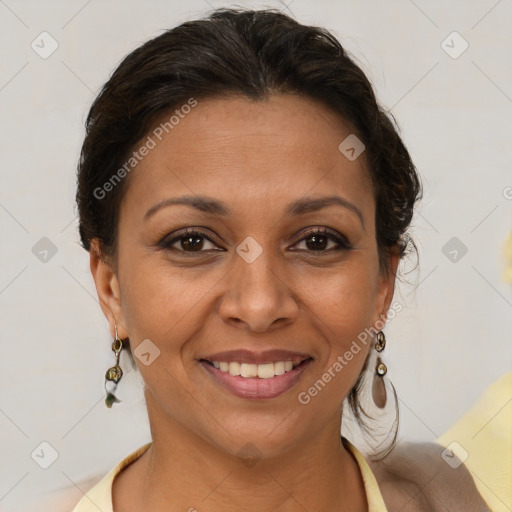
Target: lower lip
pixel 254 387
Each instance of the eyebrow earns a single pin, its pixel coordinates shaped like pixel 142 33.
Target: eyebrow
pixel 299 207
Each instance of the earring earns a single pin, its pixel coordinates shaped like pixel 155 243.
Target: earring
pixel 114 373
pixel 378 385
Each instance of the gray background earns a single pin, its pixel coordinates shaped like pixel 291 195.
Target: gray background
pixel 452 338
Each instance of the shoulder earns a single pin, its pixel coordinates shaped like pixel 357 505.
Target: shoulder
pixel 415 477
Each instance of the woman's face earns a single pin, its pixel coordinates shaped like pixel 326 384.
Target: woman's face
pixel 259 284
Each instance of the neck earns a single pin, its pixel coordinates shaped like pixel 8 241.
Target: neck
pixel 182 471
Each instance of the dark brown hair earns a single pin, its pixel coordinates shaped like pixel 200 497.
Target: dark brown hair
pixel 253 54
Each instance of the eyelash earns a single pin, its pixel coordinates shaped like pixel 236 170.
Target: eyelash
pixel 340 240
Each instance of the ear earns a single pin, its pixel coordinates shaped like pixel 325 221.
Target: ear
pixel 386 287
pixel 107 287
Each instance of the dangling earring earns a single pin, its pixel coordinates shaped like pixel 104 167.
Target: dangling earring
pixel 378 385
pixel 115 373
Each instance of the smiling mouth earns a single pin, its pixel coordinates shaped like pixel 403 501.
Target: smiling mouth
pixel 256 371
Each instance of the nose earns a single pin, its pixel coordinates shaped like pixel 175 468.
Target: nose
pixel 257 297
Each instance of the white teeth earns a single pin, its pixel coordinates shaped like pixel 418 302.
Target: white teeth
pixel 234 369
pixel 266 371
pixel 279 368
pixel 248 370
pixel 263 371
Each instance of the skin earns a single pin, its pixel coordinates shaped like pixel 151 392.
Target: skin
pixel 256 157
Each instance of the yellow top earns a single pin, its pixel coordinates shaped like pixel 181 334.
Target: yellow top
pixel 100 496
pixel 482 439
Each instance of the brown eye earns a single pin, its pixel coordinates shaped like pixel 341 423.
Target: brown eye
pixel 316 242
pixel 319 239
pixel 194 243
pixel 188 241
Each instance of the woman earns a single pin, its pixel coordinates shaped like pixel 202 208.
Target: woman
pixel 245 202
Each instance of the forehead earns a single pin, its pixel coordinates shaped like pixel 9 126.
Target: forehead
pixel 283 148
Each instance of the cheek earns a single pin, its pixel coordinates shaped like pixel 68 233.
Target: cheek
pixel 345 300
pixel 343 308
pixel 161 302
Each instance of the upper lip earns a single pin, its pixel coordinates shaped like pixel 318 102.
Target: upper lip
pixel 248 356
